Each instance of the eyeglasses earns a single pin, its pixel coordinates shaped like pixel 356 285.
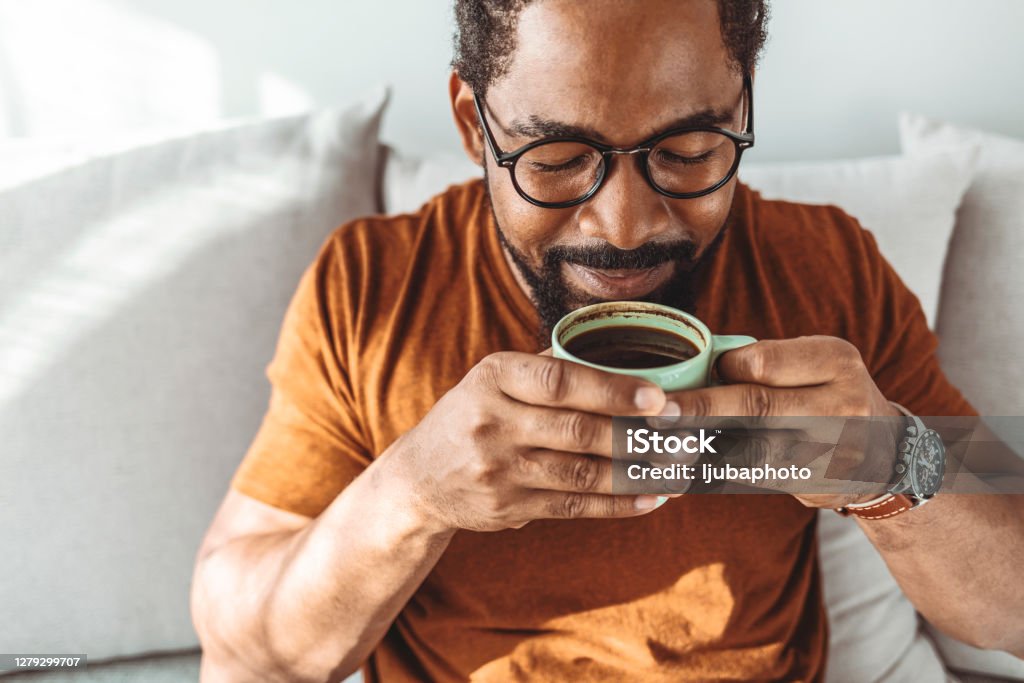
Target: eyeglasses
pixel 682 163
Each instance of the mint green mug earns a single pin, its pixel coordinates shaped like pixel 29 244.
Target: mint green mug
pixel 687 374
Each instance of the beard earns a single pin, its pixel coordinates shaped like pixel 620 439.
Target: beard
pixel 554 298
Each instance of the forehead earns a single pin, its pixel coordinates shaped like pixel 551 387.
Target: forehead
pixel 624 68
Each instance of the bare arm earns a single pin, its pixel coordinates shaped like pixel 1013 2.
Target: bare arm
pixel 957 558
pixel 297 604
pixel 280 597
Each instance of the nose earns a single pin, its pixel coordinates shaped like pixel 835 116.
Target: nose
pixel 626 212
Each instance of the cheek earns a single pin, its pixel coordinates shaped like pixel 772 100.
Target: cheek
pixel 704 217
pixel 529 228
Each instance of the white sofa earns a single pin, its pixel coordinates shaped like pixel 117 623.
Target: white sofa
pixel 140 298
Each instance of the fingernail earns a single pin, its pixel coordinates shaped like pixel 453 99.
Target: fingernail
pixel 647 502
pixel 665 418
pixel 671 409
pixel 648 398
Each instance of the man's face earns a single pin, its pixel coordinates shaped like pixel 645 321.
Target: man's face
pixel 617 72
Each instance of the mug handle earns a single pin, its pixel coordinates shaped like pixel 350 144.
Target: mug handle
pixel 720 343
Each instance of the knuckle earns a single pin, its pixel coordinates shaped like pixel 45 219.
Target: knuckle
pixel 758 361
pixel 553 379
pixel 490 474
pixel 488 366
pixel 847 353
pixel 529 469
pixel 494 507
pixel 757 403
pixel 762 452
pixel 476 470
pixel 480 423
pixel 697 403
pixel 572 506
pixel 578 428
pixel 583 474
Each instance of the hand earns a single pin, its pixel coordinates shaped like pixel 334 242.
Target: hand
pixel 522 437
pixel 805 376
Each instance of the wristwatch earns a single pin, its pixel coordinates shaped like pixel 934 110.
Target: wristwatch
pixel 920 464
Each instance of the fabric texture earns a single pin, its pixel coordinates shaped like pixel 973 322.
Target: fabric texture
pixel 981 319
pixel 726 586
pixel 140 299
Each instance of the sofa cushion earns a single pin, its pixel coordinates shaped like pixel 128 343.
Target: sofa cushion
pixel 983 275
pixel 140 300
pixel 982 284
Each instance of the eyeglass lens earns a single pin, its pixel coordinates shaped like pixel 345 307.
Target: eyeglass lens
pixel 690 162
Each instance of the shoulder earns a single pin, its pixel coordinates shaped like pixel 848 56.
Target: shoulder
pixel 365 266
pixel 815 237
pixel 817 268
pixel 383 242
pixel 374 249
pixel 818 251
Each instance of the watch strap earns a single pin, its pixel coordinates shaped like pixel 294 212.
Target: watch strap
pixel 886 505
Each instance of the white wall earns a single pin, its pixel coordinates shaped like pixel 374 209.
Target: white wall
pixel 833 79
pixel 836 72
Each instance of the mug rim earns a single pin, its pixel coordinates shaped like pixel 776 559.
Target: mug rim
pixel 640 307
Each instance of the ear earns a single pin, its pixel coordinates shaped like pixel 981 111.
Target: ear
pixel 464 112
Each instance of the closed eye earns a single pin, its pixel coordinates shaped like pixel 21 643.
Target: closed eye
pixel 666 157
pixel 571 164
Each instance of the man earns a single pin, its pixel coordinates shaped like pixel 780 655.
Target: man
pixel 430 490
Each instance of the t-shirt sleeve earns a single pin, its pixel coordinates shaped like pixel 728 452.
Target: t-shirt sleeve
pixel 903 358
pixel 309 446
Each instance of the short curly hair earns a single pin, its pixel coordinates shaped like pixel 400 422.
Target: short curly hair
pixel 485 36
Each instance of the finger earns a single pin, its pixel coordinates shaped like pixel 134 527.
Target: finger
pixel 747 400
pixel 772 462
pixel 555 505
pixel 804 361
pixel 568 472
pixel 546 352
pixel 572 431
pixel 545 381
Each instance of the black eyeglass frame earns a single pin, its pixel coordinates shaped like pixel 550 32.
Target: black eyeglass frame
pixel 508 160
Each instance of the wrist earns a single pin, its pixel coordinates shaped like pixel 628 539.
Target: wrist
pixel 408 494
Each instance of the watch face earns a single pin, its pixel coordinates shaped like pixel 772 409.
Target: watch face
pixel 927 464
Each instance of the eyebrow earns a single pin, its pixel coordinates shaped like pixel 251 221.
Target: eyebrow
pixel 539 127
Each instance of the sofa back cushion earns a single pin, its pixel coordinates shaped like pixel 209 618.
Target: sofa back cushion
pixel 981 318
pixel 140 300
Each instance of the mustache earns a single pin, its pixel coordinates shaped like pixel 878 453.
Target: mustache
pixel 608 257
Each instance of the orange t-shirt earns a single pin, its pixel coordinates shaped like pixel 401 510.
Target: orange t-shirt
pixel 395 311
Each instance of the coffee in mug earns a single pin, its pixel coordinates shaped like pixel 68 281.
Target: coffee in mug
pixel 661 344
pixel 624 346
